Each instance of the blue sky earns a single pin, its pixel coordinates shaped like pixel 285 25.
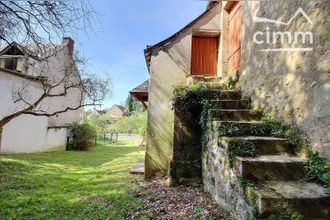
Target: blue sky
pixel 117 42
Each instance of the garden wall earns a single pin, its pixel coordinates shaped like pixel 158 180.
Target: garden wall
pixel 220 180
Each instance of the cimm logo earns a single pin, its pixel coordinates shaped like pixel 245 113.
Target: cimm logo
pixel 288 40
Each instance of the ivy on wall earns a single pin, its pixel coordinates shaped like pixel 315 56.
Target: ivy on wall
pixel 193 100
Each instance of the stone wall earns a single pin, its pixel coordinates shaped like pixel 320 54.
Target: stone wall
pixel 220 180
pixel 293 86
pixel 186 166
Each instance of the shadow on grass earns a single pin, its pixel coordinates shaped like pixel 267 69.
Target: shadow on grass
pixel 89 184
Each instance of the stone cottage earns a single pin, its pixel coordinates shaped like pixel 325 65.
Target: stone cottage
pixel 22 70
pixel 277 55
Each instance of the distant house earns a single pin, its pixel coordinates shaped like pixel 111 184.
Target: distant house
pixel 20 69
pixel 116 112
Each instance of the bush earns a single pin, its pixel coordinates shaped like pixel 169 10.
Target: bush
pixel 81 136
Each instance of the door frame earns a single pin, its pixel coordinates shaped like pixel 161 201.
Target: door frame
pixel 216 33
pixel 230 5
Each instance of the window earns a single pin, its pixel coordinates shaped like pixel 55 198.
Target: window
pixel 11 64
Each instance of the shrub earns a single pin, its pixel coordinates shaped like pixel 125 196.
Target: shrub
pixel 82 136
pixel 326 180
pixel 316 167
pixel 135 123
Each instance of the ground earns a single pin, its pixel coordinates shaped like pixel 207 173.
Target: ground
pixel 93 184
pixel 181 202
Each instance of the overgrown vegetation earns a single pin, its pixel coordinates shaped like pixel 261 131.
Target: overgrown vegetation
pixel 99 122
pixel 192 100
pixel 288 213
pixel 245 182
pixel 132 105
pixel 242 148
pixel 294 136
pixel 81 136
pixel 317 169
pixel 135 123
pixel 326 180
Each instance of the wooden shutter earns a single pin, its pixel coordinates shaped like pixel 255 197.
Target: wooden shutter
pixel 234 29
pixel 204 55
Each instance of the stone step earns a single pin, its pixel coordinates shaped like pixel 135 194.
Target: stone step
pixel 272 168
pixel 213 85
pixel 263 145
pixel 241 128
pixel 277 198
pixel 194 79
pixel 230 104
pixel 231 114
pixel 219 94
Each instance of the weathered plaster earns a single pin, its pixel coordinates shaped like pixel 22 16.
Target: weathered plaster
pixel 170 65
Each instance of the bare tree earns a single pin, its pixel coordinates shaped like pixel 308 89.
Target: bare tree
pixel 70 79
pixel 40 24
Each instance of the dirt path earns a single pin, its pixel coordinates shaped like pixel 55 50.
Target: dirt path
pixel 181 202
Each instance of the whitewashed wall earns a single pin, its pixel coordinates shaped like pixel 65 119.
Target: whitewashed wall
pixel 24 134
pixel 27 134
pixel 169 66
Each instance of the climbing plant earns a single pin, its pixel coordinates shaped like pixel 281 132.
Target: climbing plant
pixel 316 168
pixel 242 148
pixel 192 100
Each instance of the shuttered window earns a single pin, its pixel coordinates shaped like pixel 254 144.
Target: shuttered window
pixel 204 55
pixel 234 29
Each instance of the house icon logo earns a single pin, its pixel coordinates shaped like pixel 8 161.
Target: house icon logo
pixel 290 41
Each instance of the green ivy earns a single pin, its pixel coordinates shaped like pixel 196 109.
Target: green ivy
pixel 293 135
pixel 242 148
pixel 325 178
pixel 192 100
pixel 316 167
pixel 246 182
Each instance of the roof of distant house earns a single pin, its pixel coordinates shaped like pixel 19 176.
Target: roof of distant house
pixel 122 108
pixel 35 51
pixel 143 87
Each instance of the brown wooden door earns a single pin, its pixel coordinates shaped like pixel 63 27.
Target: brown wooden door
pixel 234 31
pixel 204 55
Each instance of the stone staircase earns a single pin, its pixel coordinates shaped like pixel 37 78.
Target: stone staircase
pixel 278 190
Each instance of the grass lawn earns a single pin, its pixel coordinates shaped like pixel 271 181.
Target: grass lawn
pixel 94 184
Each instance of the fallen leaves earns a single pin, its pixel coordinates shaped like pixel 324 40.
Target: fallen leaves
pixel 159 201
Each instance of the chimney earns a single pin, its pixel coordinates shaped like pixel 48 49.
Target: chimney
pixel 70 43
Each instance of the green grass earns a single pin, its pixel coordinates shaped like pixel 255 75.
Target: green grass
pixel 93 184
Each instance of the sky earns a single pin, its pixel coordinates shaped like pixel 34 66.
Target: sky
pixel 115 46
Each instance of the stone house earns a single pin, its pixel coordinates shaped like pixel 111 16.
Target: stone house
pixel 277 54
pixel 19 69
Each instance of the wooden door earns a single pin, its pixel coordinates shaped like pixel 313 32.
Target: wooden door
pixel 234 30
pixel 204 55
